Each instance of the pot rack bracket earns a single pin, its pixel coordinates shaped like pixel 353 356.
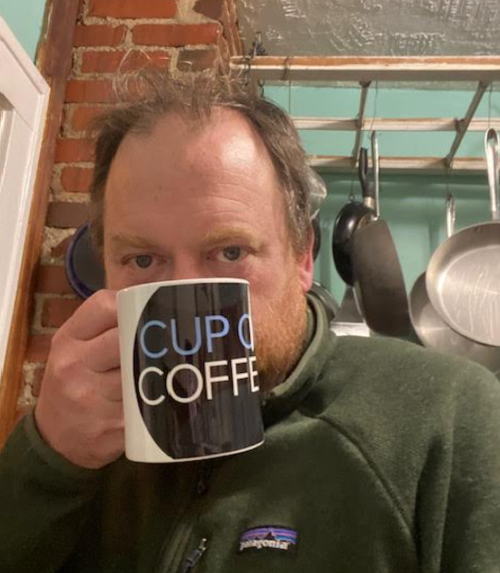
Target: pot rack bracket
pixel 482 70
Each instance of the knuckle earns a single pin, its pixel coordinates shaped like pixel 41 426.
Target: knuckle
pixel 62 345
pixel 103 444
pixel 93 459
pixel 58 339
pixel 98 297
pixel 104 299
pixel 84 396
pixel 104 437
pixel 67 369
pixel 95 434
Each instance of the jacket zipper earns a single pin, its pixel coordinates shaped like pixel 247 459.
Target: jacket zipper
pixel 185 523
pixel 194 557
pixel 204 475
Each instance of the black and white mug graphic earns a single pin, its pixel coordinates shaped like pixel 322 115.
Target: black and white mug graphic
pixel 189 372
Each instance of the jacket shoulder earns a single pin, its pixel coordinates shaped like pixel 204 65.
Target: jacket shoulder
pixel 395 375
pixel 407 409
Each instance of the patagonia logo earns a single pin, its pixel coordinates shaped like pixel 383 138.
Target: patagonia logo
pixel 269 537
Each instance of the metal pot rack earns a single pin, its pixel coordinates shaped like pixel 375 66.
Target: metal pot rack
pixel 364 71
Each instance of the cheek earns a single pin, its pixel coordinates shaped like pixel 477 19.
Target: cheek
pixel 267 290
pixel 264 288
pixel 272 274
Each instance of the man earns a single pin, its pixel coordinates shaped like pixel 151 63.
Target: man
pixel 379 456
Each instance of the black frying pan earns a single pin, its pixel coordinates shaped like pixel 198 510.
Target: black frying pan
pixel 379 280
pixel 352 215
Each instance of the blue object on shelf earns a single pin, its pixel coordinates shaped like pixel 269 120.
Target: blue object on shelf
pixel 84 268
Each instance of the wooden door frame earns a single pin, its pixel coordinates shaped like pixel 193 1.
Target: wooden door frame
pixel 54 63
pixel 24 96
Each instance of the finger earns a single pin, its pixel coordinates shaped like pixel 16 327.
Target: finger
pixel 110 384
pixel 112 412
pixel 103 352
pixel 113 446
pixel 106 415
pixel 105 449
pixel 96 315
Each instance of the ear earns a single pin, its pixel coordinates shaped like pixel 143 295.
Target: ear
pixel 306 263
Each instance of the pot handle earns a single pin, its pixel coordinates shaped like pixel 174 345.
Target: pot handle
pixel 450 215
pixel 317 192
pixel 491 148
pixel 376 171
pixel 366 188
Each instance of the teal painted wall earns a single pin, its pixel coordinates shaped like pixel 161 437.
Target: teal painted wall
pixel 413 205
pixel 414 208
pixel 25 19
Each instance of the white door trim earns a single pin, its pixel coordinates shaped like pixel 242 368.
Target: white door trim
pixel 24 96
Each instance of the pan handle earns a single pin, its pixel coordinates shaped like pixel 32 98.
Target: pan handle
pixel 366 188
pixel 376 171
pixel 317 192
pixel 491 148
pixel 450 215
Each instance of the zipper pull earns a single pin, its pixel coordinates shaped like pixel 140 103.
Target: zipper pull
pixel 195 556
pixel 204 474
pixel 201 486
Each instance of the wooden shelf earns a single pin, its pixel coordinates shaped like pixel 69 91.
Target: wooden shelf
pixel 383 124
pixel 430 165
pixel 483 70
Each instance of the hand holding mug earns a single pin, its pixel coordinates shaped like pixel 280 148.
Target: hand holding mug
pixel 79 411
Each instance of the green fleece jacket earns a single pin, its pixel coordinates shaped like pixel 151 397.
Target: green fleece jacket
pixel 379 457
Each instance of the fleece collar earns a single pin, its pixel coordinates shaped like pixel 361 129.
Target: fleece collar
pixel 289 394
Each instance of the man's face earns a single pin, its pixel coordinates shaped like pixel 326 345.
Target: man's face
pixel 185 202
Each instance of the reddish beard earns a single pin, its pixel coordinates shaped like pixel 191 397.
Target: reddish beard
pixel 280 336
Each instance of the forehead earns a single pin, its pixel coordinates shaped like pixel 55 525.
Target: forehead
pixel 224 144
pixel 215 167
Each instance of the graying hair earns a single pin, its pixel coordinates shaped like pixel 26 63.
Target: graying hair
pixel 146 97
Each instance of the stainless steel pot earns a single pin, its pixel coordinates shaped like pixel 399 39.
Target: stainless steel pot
pixel 433 331
pixel 463 276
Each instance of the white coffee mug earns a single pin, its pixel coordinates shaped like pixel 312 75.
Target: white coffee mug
pixel 189 375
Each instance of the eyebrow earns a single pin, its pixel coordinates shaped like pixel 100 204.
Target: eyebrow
pixel 216 236
pixel 130 241
pixel 229 234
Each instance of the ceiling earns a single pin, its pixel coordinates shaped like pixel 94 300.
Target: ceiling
pixel 372 27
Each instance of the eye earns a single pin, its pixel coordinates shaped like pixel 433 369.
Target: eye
pixel 231 254
pixel 143 261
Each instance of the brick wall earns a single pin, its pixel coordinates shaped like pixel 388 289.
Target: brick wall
pixel 110 36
